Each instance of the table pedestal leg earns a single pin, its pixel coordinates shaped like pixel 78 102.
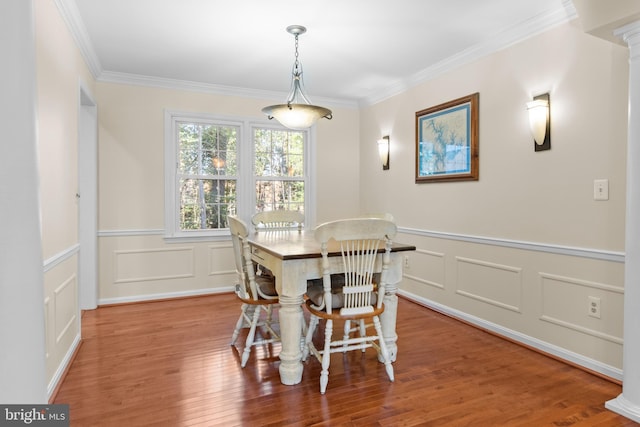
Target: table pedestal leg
pixel 291 319
pixel 388 320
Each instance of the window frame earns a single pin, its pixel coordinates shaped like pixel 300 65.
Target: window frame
pixel 305 176
pixel 246 178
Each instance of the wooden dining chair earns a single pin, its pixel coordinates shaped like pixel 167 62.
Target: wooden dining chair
pixel 348 290
pixel 278 220
pixel 257 293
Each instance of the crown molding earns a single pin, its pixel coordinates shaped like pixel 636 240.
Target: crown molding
pixel 185 85
pixel 71 16
pixel 517 33
pixel 630 35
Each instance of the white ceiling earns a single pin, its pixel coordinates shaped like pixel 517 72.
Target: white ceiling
pixel 354 51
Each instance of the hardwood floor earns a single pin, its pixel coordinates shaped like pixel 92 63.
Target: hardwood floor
pixel 169 363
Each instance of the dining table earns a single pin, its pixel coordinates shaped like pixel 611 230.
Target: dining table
pixel 294 258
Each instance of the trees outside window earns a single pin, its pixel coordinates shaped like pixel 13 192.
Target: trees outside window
pixel 279 169
pixel 216 166
pixel 207 175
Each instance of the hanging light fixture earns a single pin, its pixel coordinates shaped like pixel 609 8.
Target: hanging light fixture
pixel 298 112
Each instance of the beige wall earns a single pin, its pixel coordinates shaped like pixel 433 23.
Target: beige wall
pixel 518 251
pixel 540 197
pixel 60 71
pixel 499 252
pixel 135 262
pixel 131 152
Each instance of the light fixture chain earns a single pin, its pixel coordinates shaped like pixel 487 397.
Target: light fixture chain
pixel 296 64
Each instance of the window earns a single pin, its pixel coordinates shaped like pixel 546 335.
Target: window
pixel 207 174
pixel 279 169
pixel 215 166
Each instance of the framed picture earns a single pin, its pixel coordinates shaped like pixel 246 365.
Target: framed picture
pixel 447 141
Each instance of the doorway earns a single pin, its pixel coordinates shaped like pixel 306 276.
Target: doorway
pixel 87 201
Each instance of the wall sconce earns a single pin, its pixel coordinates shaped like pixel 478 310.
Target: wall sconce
pixel 383 151
pixel 540 122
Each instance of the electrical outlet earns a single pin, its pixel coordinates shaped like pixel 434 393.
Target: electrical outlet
pixel 594 307
pixel 406 261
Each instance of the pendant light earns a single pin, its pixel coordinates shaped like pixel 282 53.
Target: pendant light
pixel 298 112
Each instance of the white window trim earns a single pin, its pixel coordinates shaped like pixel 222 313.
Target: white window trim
pixel 245 186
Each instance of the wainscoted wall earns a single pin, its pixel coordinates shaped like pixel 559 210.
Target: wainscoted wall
pixel 520 250
pixel 535 294
pixel 61 313
pixel 61 73
pixel 140 265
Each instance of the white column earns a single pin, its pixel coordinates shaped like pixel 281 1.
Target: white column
pixel 22 338
pixel 628 403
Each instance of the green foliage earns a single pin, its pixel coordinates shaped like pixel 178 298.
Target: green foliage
pixel 208 172
pixel 207 157
pixel 279 169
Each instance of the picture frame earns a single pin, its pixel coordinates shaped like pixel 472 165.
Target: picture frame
pixel 447 141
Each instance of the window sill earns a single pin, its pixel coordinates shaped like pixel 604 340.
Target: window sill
pixel 198 238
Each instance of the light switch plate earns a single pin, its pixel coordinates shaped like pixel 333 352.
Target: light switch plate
pixel 601 189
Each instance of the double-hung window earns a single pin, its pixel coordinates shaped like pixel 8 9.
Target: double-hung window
pixel 216 166
pixel 279 169
pixel 206 174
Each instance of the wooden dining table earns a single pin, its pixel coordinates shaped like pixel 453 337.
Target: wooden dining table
pixel 294 258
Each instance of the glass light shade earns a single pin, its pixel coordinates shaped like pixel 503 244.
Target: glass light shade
pixel 296 116
pixel 538 118
pixel 383 151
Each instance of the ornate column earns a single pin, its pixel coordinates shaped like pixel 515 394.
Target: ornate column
pixel 628 403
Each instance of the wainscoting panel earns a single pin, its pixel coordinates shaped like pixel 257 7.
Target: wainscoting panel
pixel 62 313
pixel 533 293
pixel 66 309
pixel 565 302
pixel 142 266
pixel 426 267
pixel 496 284
pixel 153 264
pixel 221 260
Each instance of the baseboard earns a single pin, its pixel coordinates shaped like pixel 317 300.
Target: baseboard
pixel 61 372
pixel 593 366
pixel 161 296
pixel 622 406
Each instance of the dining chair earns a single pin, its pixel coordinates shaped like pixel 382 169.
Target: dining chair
pixel 274 221
pixel 278 220
pixel 383 215
pixel 257 293
pixel 348 290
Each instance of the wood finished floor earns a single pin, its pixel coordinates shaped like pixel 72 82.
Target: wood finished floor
pixel 169 363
